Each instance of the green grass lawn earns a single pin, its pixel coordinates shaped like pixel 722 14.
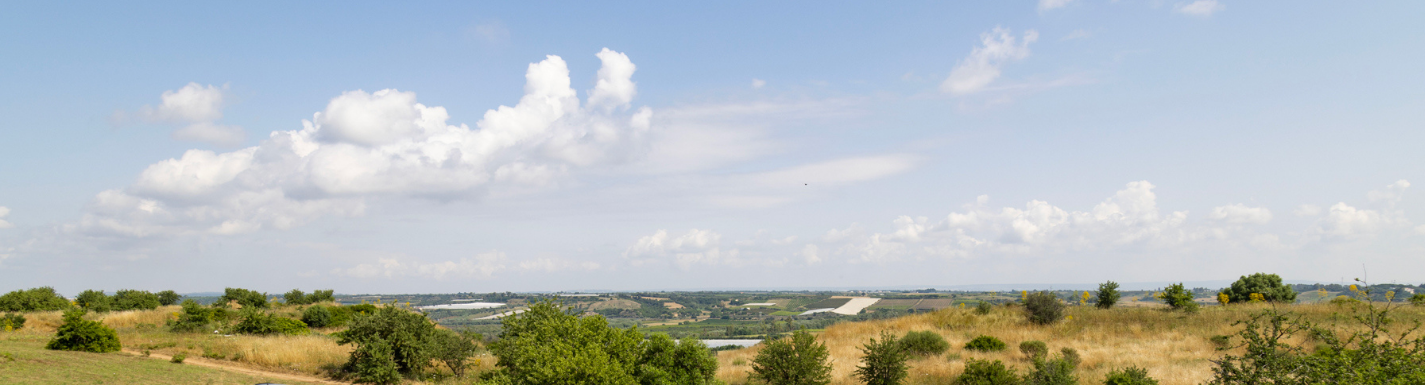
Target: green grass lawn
pixel 24 360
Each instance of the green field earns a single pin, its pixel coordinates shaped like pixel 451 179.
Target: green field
pixel 24 360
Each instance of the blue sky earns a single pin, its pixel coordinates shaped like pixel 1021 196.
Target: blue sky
pixel 651 146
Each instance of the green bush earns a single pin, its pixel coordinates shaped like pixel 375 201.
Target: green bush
pixel 1220 341
pixel 79 334
pixel 984 372
pixel 1417 300
pixel 374 362
pixel 1071 355
pixel 260 323
pixel 246 298
pixel 1043 308
pixel 36 299
pixel 1057 371
pixel 319 296
pixel 1367 354
pixel 94 300
pixel 883 361
pixel 663 362
pixel 12 321
pixel 924 343
pixel 193 318
pixel 798 360
pixel 1178 298
pixel 1131 375
pixel 454 349
pixel 295 297
pixel 410 336
pixel 135 300
pixel 983 308
pixel 1034 349
pixel 178 358
pixel 1270 286
pixel 168 297
pixel 317 316
pixel 1107 295
pixel 985 344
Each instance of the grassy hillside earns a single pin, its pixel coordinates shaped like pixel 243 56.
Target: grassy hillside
pixel 24 360
pixel 1175 347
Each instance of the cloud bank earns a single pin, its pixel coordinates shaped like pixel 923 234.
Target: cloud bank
pixel 997 48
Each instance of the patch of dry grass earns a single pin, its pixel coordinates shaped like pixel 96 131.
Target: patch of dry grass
pixel 1173 346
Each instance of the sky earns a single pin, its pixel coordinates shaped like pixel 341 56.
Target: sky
pixel 376 147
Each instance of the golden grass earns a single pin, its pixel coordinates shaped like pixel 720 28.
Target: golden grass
pixel 1173 346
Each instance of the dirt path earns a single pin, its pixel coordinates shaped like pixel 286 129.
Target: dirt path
pixel 223 365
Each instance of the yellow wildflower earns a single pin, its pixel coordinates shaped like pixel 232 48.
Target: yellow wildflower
pixel 1223 298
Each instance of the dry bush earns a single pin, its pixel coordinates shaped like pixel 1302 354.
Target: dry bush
pixel 1173 346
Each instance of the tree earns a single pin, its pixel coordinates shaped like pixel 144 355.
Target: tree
pixel 295 297
pixel 79 334
pixel 453 349
pixel 687 362
pixel 410 336
pixel 245 297
pixel 1043 308
pixel 375 363
pixel 798 360
pixel 883 361
pixel 1107 295
pixel 1269 286
pixel 193 318
pixel 317 317
pixel 36 299
pixel 135 300
pixel 94 300
pixel 545 345
pixel 1178 297
pixel 168 297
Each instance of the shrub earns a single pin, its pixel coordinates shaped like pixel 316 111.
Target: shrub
pixel 317 317
pixel 1270 287
pixel 663 362
pixel 94 300
pixel 984 372
pixel 1367 354
pixel 409 335
pixel 1417 300
pixel 295 297
pixel 168 297
pixel 193 318
pixel 453 349
pixel 260 323
pixel 883 361
pixel 246 298
pixel 36 299
pixel 1221 341
pixel 1058 371
pixel 79 334
pixel 1034 349
pixel 135 300
pixel 1071 355
pixel 1107 295
pixel 12 321
pixel 1131 375
pixel 178 358
pixel 798 360
pixel 924 343
pixel 985 344
pixel 983 308
pixel 1178 298
pixel 319 296
pixel 1043 308
pixel 374 362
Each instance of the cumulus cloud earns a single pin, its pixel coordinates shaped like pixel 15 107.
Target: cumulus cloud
pixel 1045 5
pixel 1240 214
pixel 1200 8
pixel 4 212
pixel 811 254
pixel 1391 195
pixel 694 247
pixel 196 108
pixel 366 145
pixel 982 67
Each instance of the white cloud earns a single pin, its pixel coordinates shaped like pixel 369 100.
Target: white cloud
pixel 1392 194
pixel 379 144
pixel 1307 210
pixel 1420 229
pixel 1200 8
pixel 4 212
pixel 1345 221
pixel 839 171
pixel 758 83
pixel 694 247
pixel 485 265
pixel 982 67
pixel 811 254
pixel 1239 214
pixel 1045 5
pixel 196 108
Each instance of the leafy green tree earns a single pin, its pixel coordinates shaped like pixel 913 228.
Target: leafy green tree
pixel 410 335
pixel 319 296
pixel 317 317
pixel 1043 308
pixel 168 297
pixel 1107 295
pixel 798 360
pixel 246 298
pixel 375 363
pixel 984 372
pixel 295 297
pixel 135 300
pixel 79 334
pixel 453 349
pixel 193 318
pixel 36 299
pixel 883 362
pixel 95 301
pixel 1418 299
pixel 545 345
pixel 1178 297
pixel 1270 286
pixel 663 362
pixel 258 322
